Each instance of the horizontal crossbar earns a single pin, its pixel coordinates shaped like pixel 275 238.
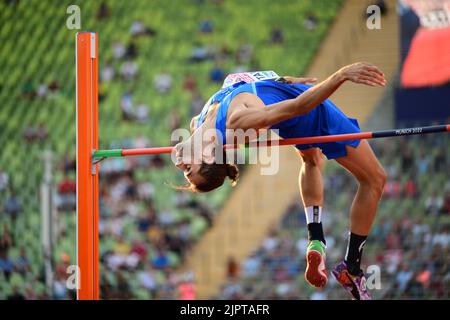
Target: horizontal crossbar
pixel 285 142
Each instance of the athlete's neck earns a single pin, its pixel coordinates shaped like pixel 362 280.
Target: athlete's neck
pixel 209 122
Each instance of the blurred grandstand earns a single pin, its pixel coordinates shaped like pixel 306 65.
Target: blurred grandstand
pixel 159 62
pixel 410 241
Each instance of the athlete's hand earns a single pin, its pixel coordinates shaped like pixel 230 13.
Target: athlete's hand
pixel 294 80
pixel 364 73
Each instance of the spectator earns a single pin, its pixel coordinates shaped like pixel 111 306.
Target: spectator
pixel 232 268
pixel 119 50
pixel 271 242
pixel 147 220
pixel 12 2
pixel 30 134
pixel 141 142
pixel 22 264
pixel 53 86
pixel 67 194
pixel 446 206
pixel 142 113
pixel 403 277
pixel 13 206
pixel 276 36
pixel 407 159
pixel 319 295
pixel 131 51
pixel 42 90
pixel 415 287
pixel 42 133
pixel 103 11
pixel 244 53
pixel 217 74
pixel 147 280
pixel 128 70
pixel 163 82
pixel 197 103
pixel 67 186
pixel 123 287
pixel 139 249
pixel 16 295
pixel 139 29
pixel 310 21
pixel 121 247
pixel 189 83
pixel 6 264
pixel 4 180
pixel 199 54
pixel 161 260
pixel 251 265
pixel 434 203
pixel 28 90
pixel 68 164
pixel 440 161
pixel 30 294
pixel 392 189
pixel 206 26
pixel 6 239
pixel 60 288
pixel 410 189
pixel 224 53
pixel 126 105
pixel 107 72
pixel 442 239
pixel 423 162
pixel 186 290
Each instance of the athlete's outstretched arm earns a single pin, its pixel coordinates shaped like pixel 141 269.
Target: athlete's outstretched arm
pixel 299 80
pixel 266 116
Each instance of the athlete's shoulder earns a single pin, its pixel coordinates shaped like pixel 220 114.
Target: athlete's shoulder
pixel 193 123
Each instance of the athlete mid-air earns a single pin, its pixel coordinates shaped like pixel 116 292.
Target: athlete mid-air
pixel 296 109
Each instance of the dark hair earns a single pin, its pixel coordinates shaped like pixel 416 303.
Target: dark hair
pixel 214 176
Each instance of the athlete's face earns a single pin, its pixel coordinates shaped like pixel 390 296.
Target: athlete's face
pixel 186 159
pixel 189 161
pixel 190 171
pixel 197 150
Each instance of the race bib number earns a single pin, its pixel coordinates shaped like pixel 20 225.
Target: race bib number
pixel 249 77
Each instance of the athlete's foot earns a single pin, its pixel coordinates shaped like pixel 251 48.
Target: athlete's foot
pixel 355 285
pixel 316 273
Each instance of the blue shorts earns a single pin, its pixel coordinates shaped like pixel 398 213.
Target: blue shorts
pixel 325 119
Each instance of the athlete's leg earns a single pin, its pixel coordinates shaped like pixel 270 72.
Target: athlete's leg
pixel 311 190
pixel 364 166
pixel 310 179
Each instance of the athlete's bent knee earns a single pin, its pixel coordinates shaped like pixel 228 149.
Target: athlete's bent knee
pixel 312 157
pixel 376 180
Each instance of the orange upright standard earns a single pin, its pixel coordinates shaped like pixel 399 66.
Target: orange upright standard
pixel 87 171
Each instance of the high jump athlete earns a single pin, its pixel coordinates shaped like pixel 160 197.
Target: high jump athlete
pixel 296 109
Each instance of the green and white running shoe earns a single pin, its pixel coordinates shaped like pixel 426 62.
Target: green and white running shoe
pixel 316 273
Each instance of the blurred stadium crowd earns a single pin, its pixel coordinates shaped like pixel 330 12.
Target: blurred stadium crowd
pixel 409 243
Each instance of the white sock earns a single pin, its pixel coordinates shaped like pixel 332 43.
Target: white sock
pixel 313 214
